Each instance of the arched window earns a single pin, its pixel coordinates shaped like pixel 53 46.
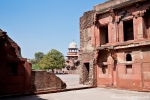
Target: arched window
pixel 128 57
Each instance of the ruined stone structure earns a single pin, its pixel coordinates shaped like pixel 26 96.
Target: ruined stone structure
pixel 15 71
pixel 43 80
pixel 16 76
pixel 72 59
pixel 115 45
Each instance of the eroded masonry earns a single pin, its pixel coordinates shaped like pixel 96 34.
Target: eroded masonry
pixel 115 45
pixel 15 71
pixel 16 75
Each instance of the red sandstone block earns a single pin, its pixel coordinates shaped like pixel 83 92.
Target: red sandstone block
pixel 104 81
pixel 136 58
pixel 2 80
pixel 136 67
pixel 2 88
pixel 13 89
pixel 146 57
pixel 14 79
pixel 130 76
pixel 146 67
pixel 121 58
pixel 127 83
pixel 21 70
pixel 147 84
pixel 121 69
pixel 105 76
pixel 146 76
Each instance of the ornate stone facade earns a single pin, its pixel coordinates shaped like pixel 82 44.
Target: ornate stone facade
pixel 114 45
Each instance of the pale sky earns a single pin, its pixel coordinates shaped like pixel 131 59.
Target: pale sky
pixel 40 25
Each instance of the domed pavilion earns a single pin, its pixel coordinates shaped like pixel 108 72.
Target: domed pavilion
pixel 73 50
pixel 72 58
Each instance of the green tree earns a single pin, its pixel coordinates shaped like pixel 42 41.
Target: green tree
pixel 53 59
pixel 38 56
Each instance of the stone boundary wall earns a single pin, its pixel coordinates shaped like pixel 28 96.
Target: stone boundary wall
pixel 43 80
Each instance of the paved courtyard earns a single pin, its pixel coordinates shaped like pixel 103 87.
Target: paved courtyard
pixel 89 94
pixel 72 80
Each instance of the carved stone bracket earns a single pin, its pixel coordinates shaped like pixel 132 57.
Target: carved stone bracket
pixel 112 14
pixel 96 56
pixel 139 13
pixel 122 14
pixel 95 19
pixel 114 55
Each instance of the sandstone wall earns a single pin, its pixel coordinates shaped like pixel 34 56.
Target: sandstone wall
pixel 86 47
pixel 112 3
pixel 43 80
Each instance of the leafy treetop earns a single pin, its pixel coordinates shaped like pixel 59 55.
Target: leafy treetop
pixel 53 59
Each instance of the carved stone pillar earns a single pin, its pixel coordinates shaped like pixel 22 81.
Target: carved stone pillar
pixel 97 35
pixel 121 33
pixel 138 25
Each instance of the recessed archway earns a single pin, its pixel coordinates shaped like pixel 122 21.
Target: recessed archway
pixel 128 57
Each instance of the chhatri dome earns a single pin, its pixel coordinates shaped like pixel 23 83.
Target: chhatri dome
pixel 73 45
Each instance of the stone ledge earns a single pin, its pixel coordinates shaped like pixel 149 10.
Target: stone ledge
pixel 124 45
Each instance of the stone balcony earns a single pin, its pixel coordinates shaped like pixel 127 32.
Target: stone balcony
pixel 72 53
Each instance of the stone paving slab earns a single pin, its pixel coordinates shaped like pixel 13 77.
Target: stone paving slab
pixel 89 94
pixel 71 80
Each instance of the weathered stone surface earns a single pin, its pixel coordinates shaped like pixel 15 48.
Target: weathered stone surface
pixel 117 45
pixel 43 80
pixel 15 71
pixel 86 48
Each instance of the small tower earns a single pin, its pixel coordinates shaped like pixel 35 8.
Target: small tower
pixel 72 56
pixel 73 50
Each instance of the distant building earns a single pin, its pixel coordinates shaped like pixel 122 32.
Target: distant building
pixel 71 63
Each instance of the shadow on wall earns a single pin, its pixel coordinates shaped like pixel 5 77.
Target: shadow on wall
pixel 43 80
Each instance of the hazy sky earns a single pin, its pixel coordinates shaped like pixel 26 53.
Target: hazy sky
pixel 40 25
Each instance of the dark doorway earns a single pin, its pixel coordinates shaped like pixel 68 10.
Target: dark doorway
pixel 86 72
pixel 12 68
pixel 147 24
pixel 103 34
pixel 128 30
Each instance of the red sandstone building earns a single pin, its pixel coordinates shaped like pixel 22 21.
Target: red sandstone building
pixel 16 76
pixel 115 45
pixel 15 71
